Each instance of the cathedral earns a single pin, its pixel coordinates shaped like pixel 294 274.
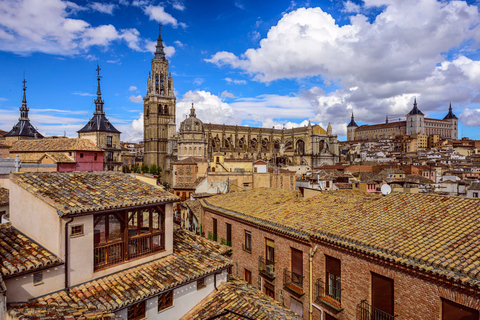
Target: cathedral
pixel 310 145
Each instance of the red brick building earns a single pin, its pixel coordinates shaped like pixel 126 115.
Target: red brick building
pixel 347 255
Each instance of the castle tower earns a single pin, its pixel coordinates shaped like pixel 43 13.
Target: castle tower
pixel 23 129
pixel 351 127
pixel 103 133
pixel 454 121
pixel 159 113
pixel 415 120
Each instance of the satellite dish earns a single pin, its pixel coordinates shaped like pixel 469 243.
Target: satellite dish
pixel 386 189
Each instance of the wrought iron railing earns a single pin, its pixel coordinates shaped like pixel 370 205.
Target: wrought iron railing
pixel 108 254
pixel 266 267
pixel 331 295
pixel 293 281
pixel 369 312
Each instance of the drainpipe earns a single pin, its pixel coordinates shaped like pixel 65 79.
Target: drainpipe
pixel 66 251
pixel 310 291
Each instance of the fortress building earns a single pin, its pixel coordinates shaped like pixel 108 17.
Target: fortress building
pixel 415 123
pixel 309 145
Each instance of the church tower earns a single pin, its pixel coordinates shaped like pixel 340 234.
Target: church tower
pixel 351 127
pixel 159 113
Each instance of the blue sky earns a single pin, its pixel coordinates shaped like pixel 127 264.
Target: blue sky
pixel 261 63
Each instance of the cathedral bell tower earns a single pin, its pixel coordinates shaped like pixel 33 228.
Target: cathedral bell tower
pixel 159 113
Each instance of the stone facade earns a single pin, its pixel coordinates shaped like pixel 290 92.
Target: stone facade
pixel 415 123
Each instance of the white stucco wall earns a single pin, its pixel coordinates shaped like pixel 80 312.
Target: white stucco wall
pixel 185 298
pixel 21 288
pixel 36 219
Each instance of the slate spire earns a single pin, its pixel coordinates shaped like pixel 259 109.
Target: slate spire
pixel 23 108
pixel 98 102
pixel 352 122
pixel 159 53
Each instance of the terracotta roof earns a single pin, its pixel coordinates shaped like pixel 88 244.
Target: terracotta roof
pixel 59 144
pixel 37 311
pixel 434 233
pixel 4 196
pixel 119 290
pixel 343 186
pixel 83 192
pixel 242 298
pixel 184 185
pixel 195 207
pixel 19 253
pixel 283 211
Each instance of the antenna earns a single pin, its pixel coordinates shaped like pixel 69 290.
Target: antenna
pixel 386 189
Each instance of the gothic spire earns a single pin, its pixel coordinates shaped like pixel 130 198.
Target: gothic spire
pixel 450 114
pixel 386 119
pixel 23 108
pixel 159 53
pixel 98 102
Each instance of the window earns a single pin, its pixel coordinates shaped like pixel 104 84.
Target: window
pixel 95 156
pixel 214 227
pixel 76 231
pixel 229 234
pixel 248 276
pixel 475 194
pixel 109 156
pixel 297 263
pixel 455 311
pixel 165 300
pixel 269 289
pixel 296 306
pixel 248 241
pixel 109 141
pixel 81 155
pixel 201 283
pixel 269 251
pixel 333 278
pixel 382 294
pixel 37 278
pixel 136 311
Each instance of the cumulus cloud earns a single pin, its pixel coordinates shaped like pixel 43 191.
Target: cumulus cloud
pixel 169 50
pixel 470 117
pixel 103 7
pixel 136 99
pixel 208 107
pixel 377 65
pixel 351 7
pixel 158 13
pixel 134 131
pixel 224 94
pixel 132 88
pixel 47 26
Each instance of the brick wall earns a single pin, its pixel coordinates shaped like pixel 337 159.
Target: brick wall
pixel 415 296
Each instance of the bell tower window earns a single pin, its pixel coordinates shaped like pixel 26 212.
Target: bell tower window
pixel 156 84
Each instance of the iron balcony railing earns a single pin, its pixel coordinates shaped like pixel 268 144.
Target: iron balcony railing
pixel 266 267
pixel 331 295
pixel 369 312
pixel 293 281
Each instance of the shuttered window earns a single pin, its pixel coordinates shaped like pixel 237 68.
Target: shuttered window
pixel 297 262
pixel 382 293
pixel 455 311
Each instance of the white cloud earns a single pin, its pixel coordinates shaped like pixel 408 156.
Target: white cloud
pixel 133 132
pixel 179 43
pixel 136 99
pixel 227 94
pixel 470 117
pixel 158 13
pixel 351 7
pixel 179 5
pixel 198 81
pixel 235 81
pixel 169 51
pixel 255 35
pixel 132 88
pixel 46 26
pixel 208 107
pixel 103 7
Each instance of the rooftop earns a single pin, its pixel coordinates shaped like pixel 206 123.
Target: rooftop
pixel 60 144
pixel 240 297
pixel 19 253
pixel 119 290
pixel 4 194
pixel 87 192
pixel 434 233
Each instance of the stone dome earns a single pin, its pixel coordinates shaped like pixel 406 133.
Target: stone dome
pixel 192 123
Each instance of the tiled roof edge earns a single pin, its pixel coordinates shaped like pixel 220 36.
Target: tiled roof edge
pixel 277 227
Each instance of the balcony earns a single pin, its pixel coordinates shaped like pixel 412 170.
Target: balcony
pixel 108 254
pixel 369 312
pixel 293 281
pixel 330 295
pixel 266 267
